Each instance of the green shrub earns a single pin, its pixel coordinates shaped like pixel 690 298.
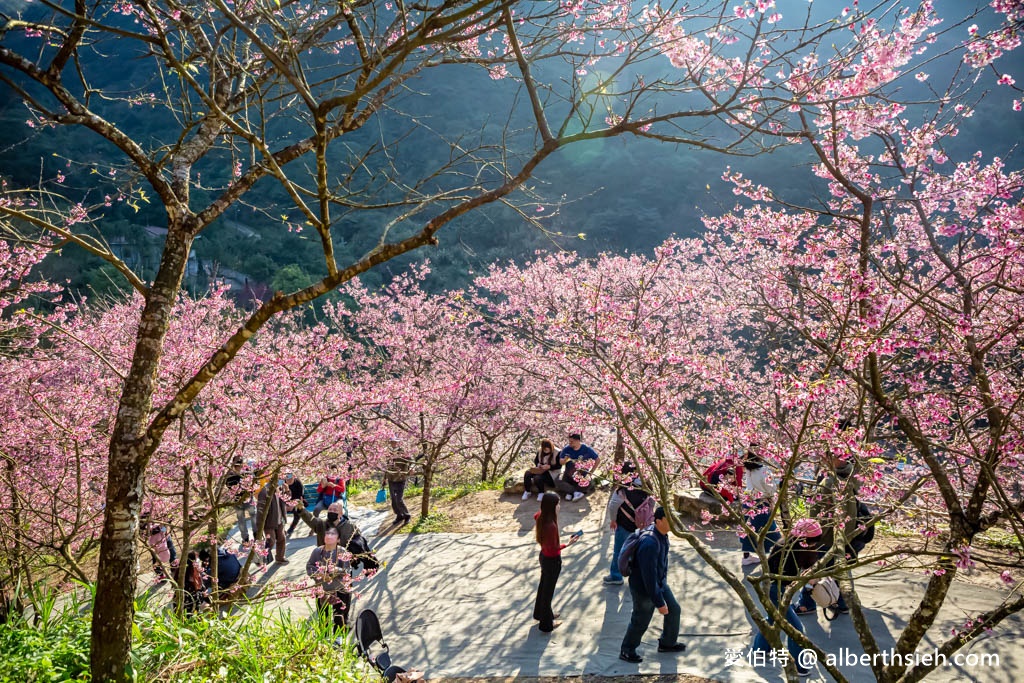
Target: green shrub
pixel 258 645
pixel 50 645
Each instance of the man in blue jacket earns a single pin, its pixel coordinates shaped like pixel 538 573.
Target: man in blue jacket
pixel 647 585
pixel 576 457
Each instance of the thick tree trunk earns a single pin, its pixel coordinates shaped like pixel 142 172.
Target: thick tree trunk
pixel 428 477
pixel 113 609
pixel 130 450
pixel 186 545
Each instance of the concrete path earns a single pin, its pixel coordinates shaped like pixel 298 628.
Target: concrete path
pixel 460 605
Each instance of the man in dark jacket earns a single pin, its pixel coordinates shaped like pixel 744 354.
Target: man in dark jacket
pixel 396 475
pixel 273 526
pixel 295 493
pixel 236 483
pixel 650 591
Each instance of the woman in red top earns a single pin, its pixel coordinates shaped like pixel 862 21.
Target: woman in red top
pixel 550 560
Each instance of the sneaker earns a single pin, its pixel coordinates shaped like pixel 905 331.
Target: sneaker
pixel 540 496
pixel 282 561
pixel 751 559
pixel 568 496
pixel 630 657
pixel 576 496
pixel 611 581
pixel 674 647
pixel 526 495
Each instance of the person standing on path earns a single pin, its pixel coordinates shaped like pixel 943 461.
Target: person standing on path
pixel 621 508
pixel 273 525
pixel 787 561
pixel 546 532
pixel 759 492
pixel 238 482
pixel 295 491
pixel 649 588
pixel 396 475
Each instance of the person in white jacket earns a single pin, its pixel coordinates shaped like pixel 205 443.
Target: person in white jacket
pixel 759 491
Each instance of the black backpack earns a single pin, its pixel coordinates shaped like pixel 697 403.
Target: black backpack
pixel 362 554
pixel 628 552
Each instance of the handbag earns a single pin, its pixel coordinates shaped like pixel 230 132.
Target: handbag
pixel 826 595
pixel 382 495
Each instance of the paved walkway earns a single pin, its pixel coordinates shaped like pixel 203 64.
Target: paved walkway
pixel 460 605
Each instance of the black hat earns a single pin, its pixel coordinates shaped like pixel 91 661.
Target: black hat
pixel 576 435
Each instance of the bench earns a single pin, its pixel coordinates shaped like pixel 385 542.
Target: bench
pixel 309 496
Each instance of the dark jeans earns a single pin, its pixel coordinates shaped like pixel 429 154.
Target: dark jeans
pixel 336 605
pixel 539 483
pixel 275 536
pixel 643 611
pixel 295 518
pixel 550 568
pixel 806 601
pixel 568 483
pixel 397 491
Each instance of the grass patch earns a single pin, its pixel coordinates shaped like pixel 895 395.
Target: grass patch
pixel 888 529
pixel 359 487
pixel 454 492
pixel 434 523
pixel 1001 539
pixel 255 646
pixel 463 490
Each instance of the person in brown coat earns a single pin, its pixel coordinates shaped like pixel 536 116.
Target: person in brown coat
pixel 273 526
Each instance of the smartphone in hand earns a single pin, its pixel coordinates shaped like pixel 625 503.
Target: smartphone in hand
pixel 577 534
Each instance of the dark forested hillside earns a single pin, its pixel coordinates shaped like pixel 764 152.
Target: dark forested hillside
pixel 617 194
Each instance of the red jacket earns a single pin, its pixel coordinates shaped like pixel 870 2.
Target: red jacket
pixel 722 470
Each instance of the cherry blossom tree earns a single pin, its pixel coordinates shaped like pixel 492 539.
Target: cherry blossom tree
pixel 437 365
pixel 256 97
pixel 884 325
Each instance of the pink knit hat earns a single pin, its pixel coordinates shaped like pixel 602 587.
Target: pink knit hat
pixel 806 528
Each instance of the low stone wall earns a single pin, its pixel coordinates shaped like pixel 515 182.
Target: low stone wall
pixel 690 504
